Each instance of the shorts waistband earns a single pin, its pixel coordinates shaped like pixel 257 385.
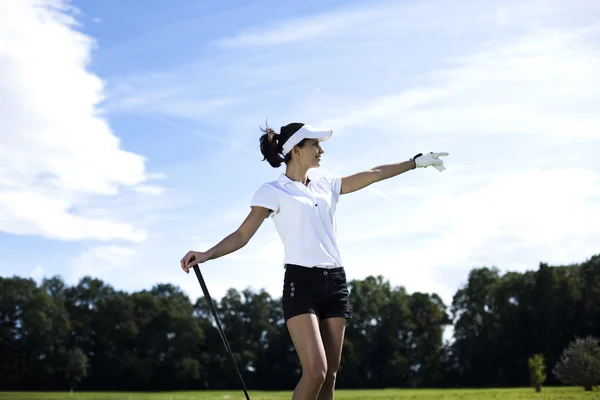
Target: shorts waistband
pixel 312 270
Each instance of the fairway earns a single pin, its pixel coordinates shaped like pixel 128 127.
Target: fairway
pixel 468 394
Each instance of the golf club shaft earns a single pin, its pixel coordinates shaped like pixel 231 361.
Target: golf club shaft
pixel 221 332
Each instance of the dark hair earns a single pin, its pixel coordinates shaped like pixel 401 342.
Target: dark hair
pixel 271 148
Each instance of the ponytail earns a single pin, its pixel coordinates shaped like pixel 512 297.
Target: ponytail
pixel 269 147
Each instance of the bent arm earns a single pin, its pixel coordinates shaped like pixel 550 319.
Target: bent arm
pixel 363 179
pixel 241 236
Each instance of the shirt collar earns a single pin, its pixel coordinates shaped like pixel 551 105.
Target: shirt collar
pixel 285 180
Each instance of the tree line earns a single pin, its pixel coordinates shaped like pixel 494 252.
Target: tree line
pixel 91 336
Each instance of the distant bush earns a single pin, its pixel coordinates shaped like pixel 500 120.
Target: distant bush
pixel 579 363
pixel 537 371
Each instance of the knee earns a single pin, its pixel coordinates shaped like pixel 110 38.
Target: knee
pixel 316 373
pixel 331 375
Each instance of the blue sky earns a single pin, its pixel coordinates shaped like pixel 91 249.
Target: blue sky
pixel 130 134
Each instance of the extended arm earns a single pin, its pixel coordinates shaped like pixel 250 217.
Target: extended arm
pixel 232 242
pixel 363 179
pixel 240 237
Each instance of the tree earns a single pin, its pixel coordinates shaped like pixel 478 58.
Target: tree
pixel 76 366
pixel 537 371
pixel 475 328
pixel 425 344
pixel 590 293
pixel 33 330
pixel 94 337
pixel 579 363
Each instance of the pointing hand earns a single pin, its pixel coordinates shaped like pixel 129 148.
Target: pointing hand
pixel 430 159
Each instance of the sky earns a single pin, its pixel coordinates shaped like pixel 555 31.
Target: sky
pixel 130 130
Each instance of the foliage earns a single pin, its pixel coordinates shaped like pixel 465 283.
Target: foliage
pixel 500 320
pixel 91 335
pixel 537 371
pixel 76 366
pixel 579 363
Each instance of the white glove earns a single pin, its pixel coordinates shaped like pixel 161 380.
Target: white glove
pixel 430 159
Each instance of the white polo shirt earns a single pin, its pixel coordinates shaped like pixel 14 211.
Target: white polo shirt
pixel 304 217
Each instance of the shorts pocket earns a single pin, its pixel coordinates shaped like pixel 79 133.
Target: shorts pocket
pixel 339 284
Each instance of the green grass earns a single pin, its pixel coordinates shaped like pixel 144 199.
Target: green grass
pixel 467 394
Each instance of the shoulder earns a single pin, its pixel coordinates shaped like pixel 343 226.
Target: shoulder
pixel 266 196
pixel 267 188
pixel 329 182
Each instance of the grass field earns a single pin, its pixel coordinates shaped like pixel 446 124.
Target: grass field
pixel 469 394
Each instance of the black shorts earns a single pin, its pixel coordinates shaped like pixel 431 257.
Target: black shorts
pixel 320 291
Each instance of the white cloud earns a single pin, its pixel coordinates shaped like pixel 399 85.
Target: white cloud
pixel 150 189
pixel 542 83
pixel 269 250
pixel 536 206
pixel 56 147
pixel 449 73
pixel 513 221
pixel 29 212
pixel 501 15
pixel 373 22
pixel 100 261
pixel 302 29
pixel 38 273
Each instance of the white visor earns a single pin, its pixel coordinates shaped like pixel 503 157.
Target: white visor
pixel 306 132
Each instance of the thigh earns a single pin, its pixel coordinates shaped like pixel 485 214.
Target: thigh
pixel 306 336
pixel 332 333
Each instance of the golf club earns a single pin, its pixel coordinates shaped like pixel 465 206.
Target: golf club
pixel 214 313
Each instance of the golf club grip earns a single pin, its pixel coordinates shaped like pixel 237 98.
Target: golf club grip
pixel 220 328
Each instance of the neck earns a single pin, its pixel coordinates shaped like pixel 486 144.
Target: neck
pixel 297 173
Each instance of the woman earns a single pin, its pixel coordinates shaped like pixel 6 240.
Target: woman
pixel 315 293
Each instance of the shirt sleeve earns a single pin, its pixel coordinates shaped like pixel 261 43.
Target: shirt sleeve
pixel 266 197
pixel 335 185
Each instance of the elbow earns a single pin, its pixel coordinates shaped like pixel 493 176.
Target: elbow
pixel 376 175
pixel 242 238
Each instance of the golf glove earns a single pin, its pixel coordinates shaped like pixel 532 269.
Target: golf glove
pixel 430 159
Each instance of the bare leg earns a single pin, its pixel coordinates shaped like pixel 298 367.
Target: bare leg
pixel 304 331
pixel 332 331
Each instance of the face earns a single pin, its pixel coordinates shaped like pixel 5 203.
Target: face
pixel 309 155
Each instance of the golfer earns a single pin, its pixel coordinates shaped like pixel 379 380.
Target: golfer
pixel 315 293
